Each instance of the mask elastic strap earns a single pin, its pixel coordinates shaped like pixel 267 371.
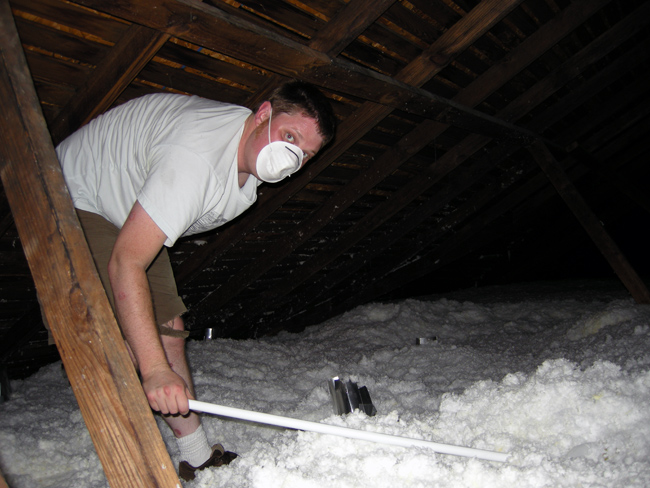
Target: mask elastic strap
pixel 270 115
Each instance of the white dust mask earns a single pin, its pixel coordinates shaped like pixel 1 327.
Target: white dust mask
pixel 278 159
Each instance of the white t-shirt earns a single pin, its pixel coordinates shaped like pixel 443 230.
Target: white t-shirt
pixel 175 154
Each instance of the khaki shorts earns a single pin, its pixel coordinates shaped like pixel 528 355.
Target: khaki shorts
pixel 167 305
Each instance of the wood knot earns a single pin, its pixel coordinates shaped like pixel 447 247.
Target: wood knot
pixel 78 302
pixel 439 59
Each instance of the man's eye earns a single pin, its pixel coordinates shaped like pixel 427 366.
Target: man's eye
pixel 288 137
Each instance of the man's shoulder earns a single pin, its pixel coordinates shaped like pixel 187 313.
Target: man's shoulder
pixel 178 101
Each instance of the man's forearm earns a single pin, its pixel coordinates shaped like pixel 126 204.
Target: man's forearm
pixel 135 314
pixel 137 245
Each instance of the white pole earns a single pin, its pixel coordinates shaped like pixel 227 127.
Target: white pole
pixel 265 418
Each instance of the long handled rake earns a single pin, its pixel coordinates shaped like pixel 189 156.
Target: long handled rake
pixel 290 423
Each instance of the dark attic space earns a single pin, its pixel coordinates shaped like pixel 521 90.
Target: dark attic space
pixel 429 185
pixel 472 239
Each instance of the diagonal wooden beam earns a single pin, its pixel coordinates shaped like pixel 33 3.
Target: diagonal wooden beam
pixel 590 223
pixel 105 83
pixel 473 25
pixel 102 376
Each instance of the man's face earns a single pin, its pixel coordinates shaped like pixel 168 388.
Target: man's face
pixel 295 129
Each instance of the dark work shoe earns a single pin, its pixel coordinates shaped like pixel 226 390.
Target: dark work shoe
pixel 218 458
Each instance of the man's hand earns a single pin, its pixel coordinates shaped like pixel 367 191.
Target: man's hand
pixel 167 392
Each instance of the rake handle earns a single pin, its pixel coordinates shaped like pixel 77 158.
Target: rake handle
pixel 290 423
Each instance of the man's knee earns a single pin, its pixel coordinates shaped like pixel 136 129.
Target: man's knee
pixel 177 323
pixel 174 328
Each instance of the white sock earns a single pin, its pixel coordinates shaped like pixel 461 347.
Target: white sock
pixel 194 447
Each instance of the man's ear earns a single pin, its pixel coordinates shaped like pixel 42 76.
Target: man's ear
pixel 263 113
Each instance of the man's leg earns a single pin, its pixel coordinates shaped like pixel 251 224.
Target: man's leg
pixel 190 436
pixel 175 350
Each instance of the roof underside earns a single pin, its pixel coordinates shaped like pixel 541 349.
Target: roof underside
pixel 429 185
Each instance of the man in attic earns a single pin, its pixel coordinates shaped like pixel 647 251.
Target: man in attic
pixel 164 166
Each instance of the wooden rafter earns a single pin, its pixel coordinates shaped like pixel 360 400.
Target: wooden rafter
pixel 74 303
pixel 196 22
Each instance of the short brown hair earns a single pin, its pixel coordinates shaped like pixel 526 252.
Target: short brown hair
pixel 301 97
